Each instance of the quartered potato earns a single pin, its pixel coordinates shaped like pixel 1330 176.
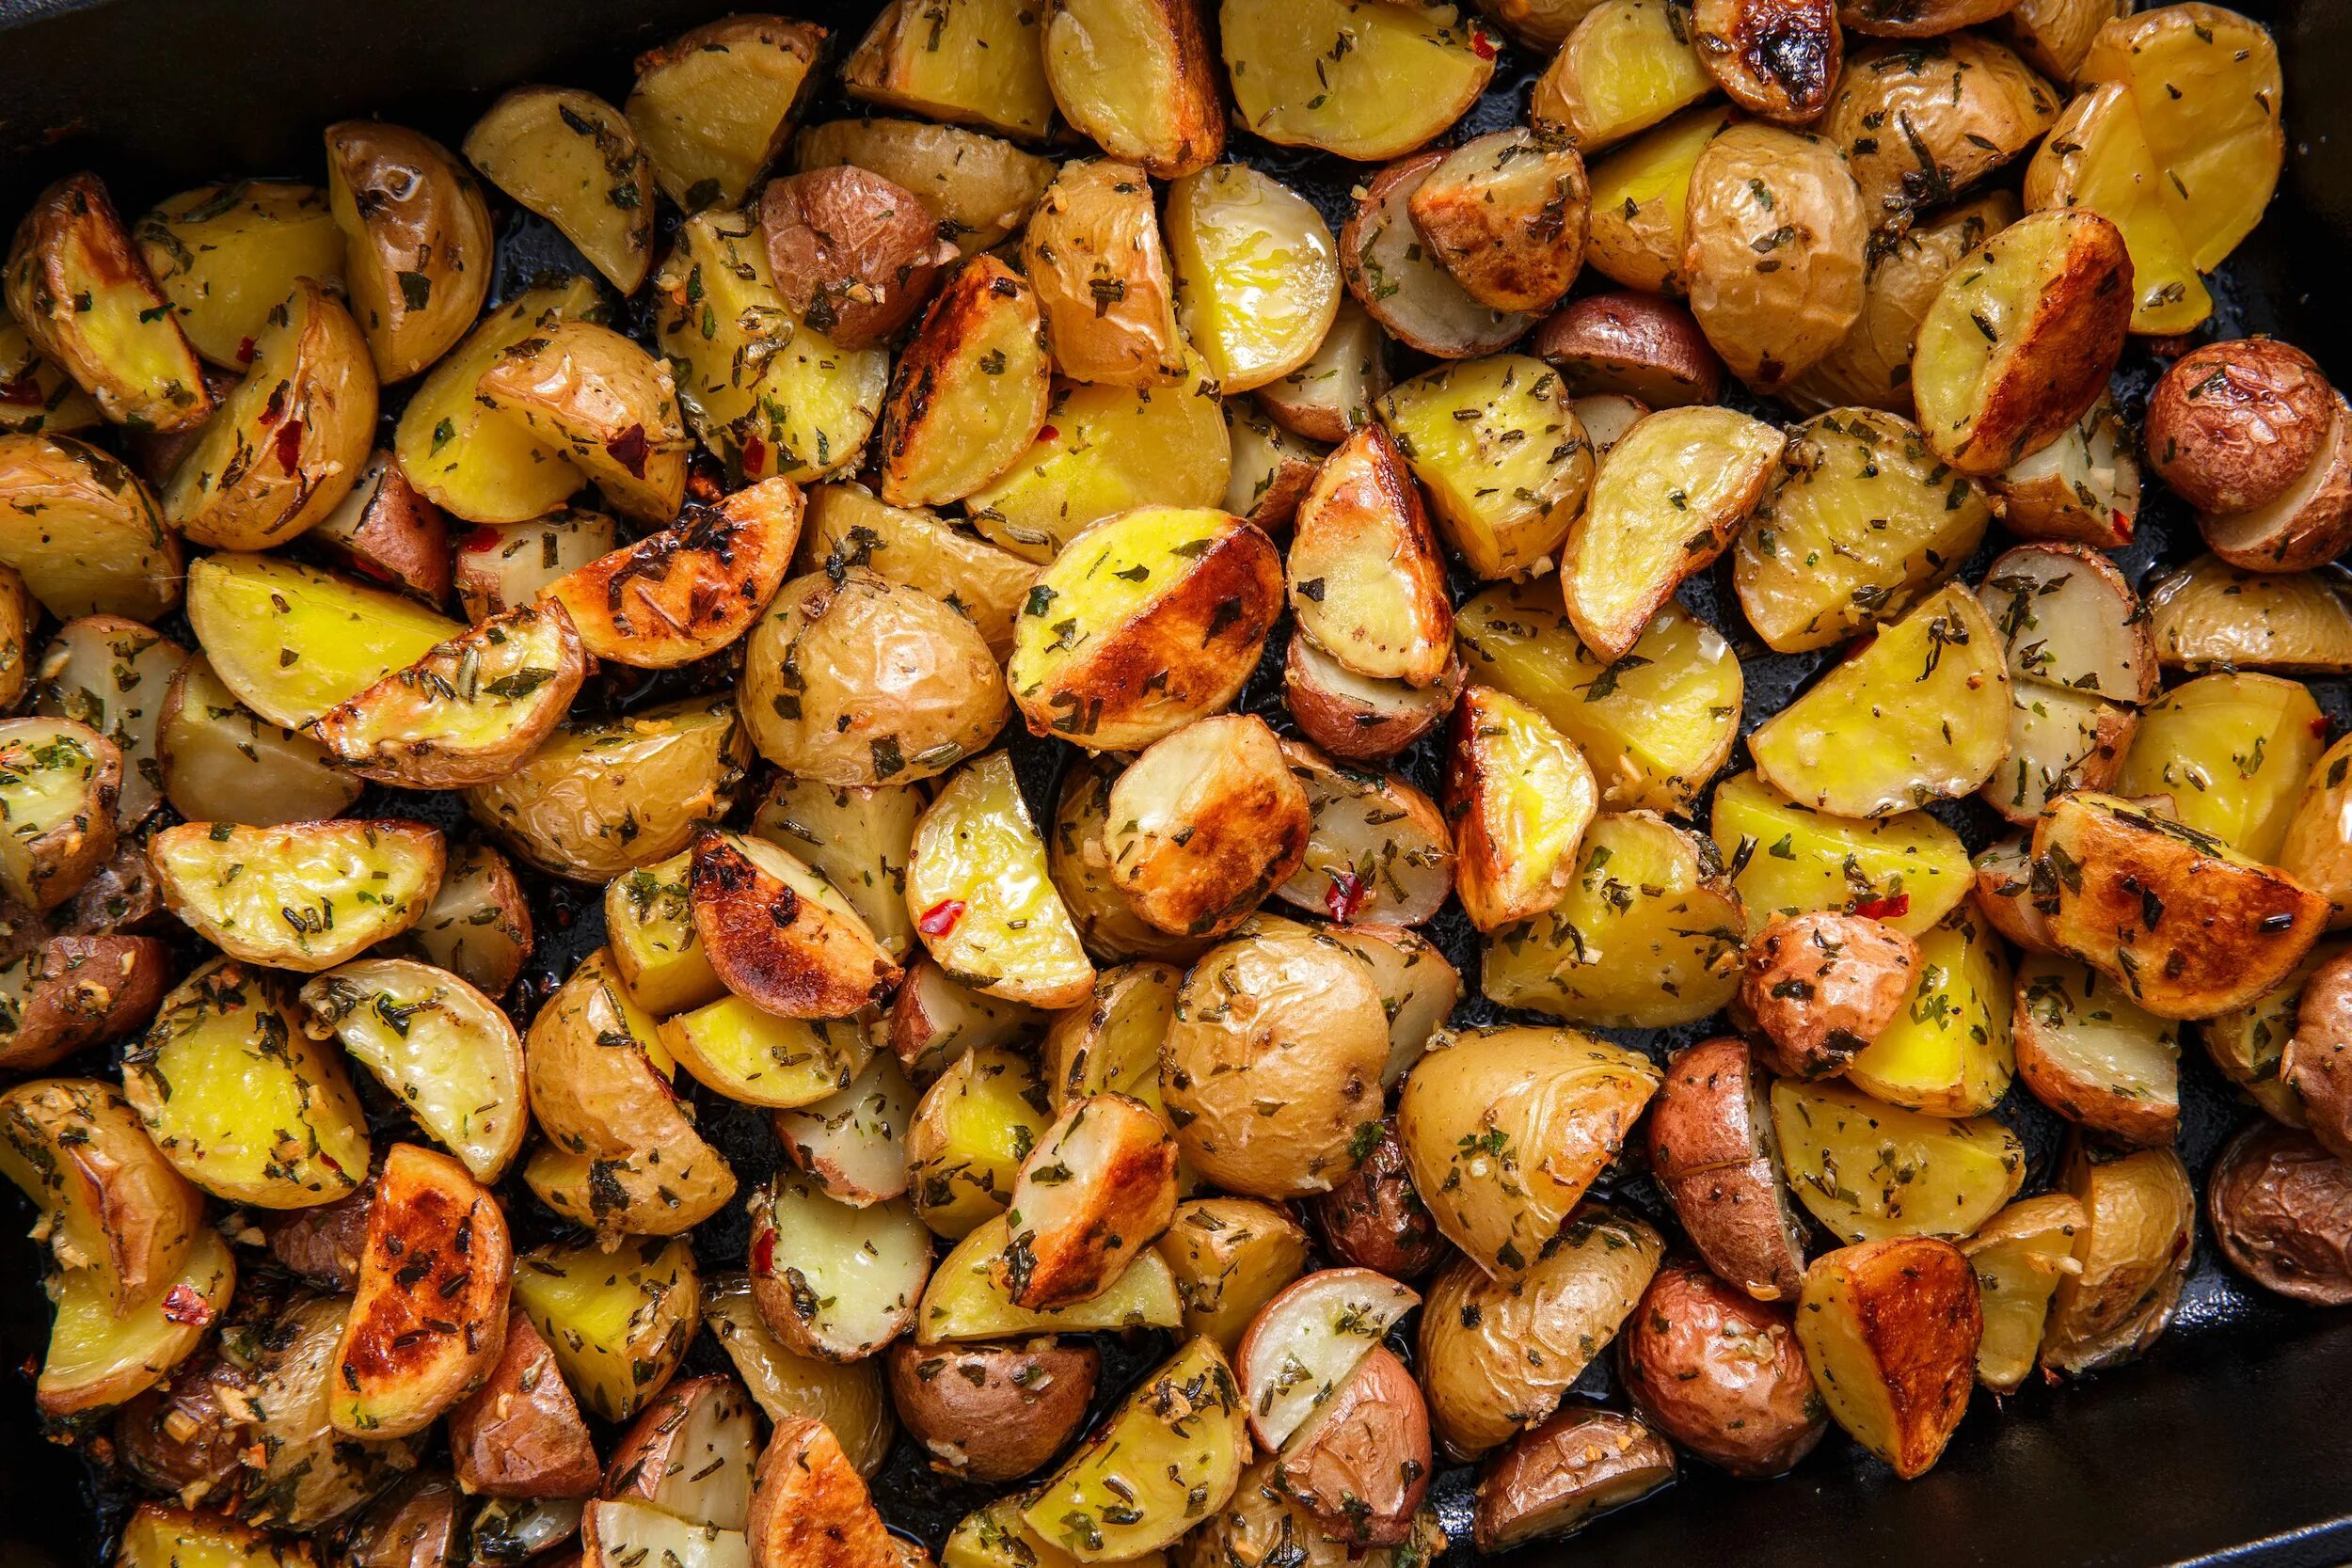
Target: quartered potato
pixel 1271 469
pixel 386 528
pixel 2058 741
pixel 972 62
pixel 605 405
pixel 965 1300
pixel 221 763
pixel 1257 277
pixel 934 1020
pixel 975 1126
pixel 969 391
pixel 1641 201
pixel 750 1055
pixel 1505 214
pixel 1365 79
pixel 1092 251
pixel 2019 1258
pixel 856 839
pixel 1378 850
pixel 849 1397
pixel 465 458
pixel 1820 988
pixel 305 897
pixel 831 1280
pixel 477 926
pixel 1080 865
pixel 852 253
pixel 1784 858
pixel 1773 251
pixel 99 1354
pixel 2233 752
pixel 1921 120
pixel 978 889
pixel 71 991
pixel 113 1209
pixel 1890 1330
pixel 1862 522
pixel 849 528
pixel 1100 1186
pixel 84 297
pixel 1520 797
pixel 1360 1466
pixel 1178 1436
pixel 573 159
pixel 36 395
pixel 1669 496
pixel 1232 1255
pixel 1775 58
pixel 1947 1050
pixel 1391 272
pixel 1361 717
pixel 809 1504
pixel 779 936
pixel 713 105
pixel 2096 156
pixel 692 589
pixel 1332 394
pixel 111 675
pixel 979 187
pixel 2232 426
pixel 618 1323
pixel 1627 65
pixel 1205 824
pixel 417 240
pixel 1498 446
pixel 2083 487
pixel 83 532
pixel 2134 1248
pixel 2068 618
pixel 603 795
pixel 2090 1054
pixel 1366 581
pixel 1636 351
pixel 1921 714
pixel 1136 77
pixel 226 256
pixel 291 641
pixel 59 785
pixel 1111 1044
pixel 1868 1171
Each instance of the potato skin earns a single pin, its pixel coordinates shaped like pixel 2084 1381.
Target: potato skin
pixel 1361 1464
pixel 1375 1218
pixel 2135 1249
pixel 854 255
pixel 992 1412
pixel 2232 426
pixel 1092 251
pixel 1822 986
pixel 1710 1145
pixel 1636 344
pixel 1775 58
pixel 84 991
pixel 2317 1063
pixel 1505 215
pixel 2280 1207
pixel 323 1243
pixel 1758 191
pixel 1218 824
pixel 912 422
pixel 1963 105
pixel 1581 1463
pixel 1356 719
pixel 1721 1373
pixel 520 1434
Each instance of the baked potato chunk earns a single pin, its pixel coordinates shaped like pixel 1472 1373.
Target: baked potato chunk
pixel 1890 1329
pixel 833 1280
pixel 1229 1256
pixel 1716 1154
pixel 478 925
pixel 690 589
pixel 1922 120
pixel 690 1454
pixel 470 460
pixel 159 1535
pixel 1205 824
pixel 1112 1043
pixel 573 159
pixel 1350 105
pixel 849 528
pixel 113 1207
pixel 1366 581
pixel 1908 870
pixel 970 390
pixel 1378 850
pixel 1257 276
pixel 385 529
pixel 2021 339
pixel 2317 1062
pixel 1761 191
pixel 2082 488
pixel 976 1124
pixel 713 105
pixel 110 675
pixel 1135 76
pixel 1720 1374
pixel 418 245
pixel 1672 493
pixel 1180 1434
pixel 1522 796
pixel 750 1055
pixel 99 1354
pixel 82 293
pixel 36 395
pixel 2133 1250
pixel 1080 866
pixel 608 406
pixel 808 1502
pixel 1332 393
pixel 1391 272
pixel 1505 214
pixel 1360 1466
pixel 1359 718
pixel 2232 751
pixel 1271 469
pixel 853 1140
pixel 269 895
pixel 934 1020
pixel 2231 426
pixel 970 62
pixel 72 992
pixel 82 532
pixel 1376 1219
pixel 59 781
pixel 856 839
pixel 291 641
pixel 1418 988
pixel 1641 201
pixel 853 254
pixel 227 255
pixel 2276 1201
pixel 1641 348
pixel 1820 988
pixel 1551 1481
pixel 2019 1258
pixel 1776 58
pixel 778 935
pixel 992 1412
pixel 965 1300
pixel 1948 1051
pixel 1099 1187
pixel 1497 443
pixel 2096 156
pixel 429 1320
pixel 978 889
pixel 618 1323
pixel 978 186
pixel 223 763
pixel 1092 251
pixel 849 1397
pixel 1869 1171
pixel 2317 849
pixel 2089 1054
pixel 18 616
pixel 1627 65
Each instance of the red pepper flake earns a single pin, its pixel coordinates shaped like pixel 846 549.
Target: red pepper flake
pixel 481 539
pixel 245 351
pixel 941 917
pixel 755 454
pixel 1893 906
pixel 274 409
pixel 1481 42
pixel 629 448
pixel 183 1305
pixel 2122 524
pixel 2319 726
pixel 764 1252
pixel 24 389
pixel 1047 433
pixel 290 445
pixel 1346 894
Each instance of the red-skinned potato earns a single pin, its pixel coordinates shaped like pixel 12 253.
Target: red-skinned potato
pixel 1361 1462
pixel 2231 425
pixel 2280 1207
pixel 1377 1220
pixel 1638 345
pixel 1306 1343
pixel 992 1412
pixel 689 1454
pixel 1713 1148
pixel 385 529
pixel 1720 1372
pixel 853 255
pixel 2317 1063
pixel 1581 1463
pixel 520 1434
pixel 1820 986
pixel 72 992
pixel 809 1505
pixel 1367 582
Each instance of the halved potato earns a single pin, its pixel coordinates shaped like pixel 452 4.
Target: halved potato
pixel 1358 718
pixel 973 62
pixel 473 462
pixel 712 106
pixel 521 1527
pixel 385 529
pixel 1776 58
pixel 1257 277
pixel 1788 197
pixel 1640 201
pixel 2090 1054
pixel 854 1140
pixel 100 1355
pixel 1717 1156
pixel 111 675
pixel 1389 270
pixel 1785 859
pixel 1366 581
pixel 2233 751
pixel 1505 214
pixel 1205 824
pixel 849 528
pixel 603 795
pixel 417 240
pixel 1378 850
pixel 1232 1255
pixel 1868 1171
pixel 478 925
pixel 979 187
pixel 690 589
pixel 2068 618
pixel 85 299
pixel 1648 933
pixel 1920 120
pixel 1506 463
pixel 2096 156
pixel 833 1280
pixel 228 255
pixel 1579 1464
pixel 690 1454
pixel 113 1208
pixel 1145 622
pixel 1325 74
pixel 1669 496
pixel 240 1100
pixel 2083 487
pixel 1099 1187
pixel 2210 614
pixel 978 891
pixel 291 641
pixel 1948 1051
pixel 750 1055
pixel 1418 990
pixel 1306 1344
pixel 68 992
pixel 617 1532
pixel 83 532
pixel 443 1047
pixel 1890 1329
pixel 1332 393
pixel 1861 522
pixel 2058 741
pixel 1522 796
pixel 605 404
pixel 975 1125
pixel 964 1299
pixel 1627 65
pixel 2135 1249
pixel 969 393
pixel 2021 339
pixel 1639 349
pixel 849 1397
pixel 36 395
pixel 573 159
pixel 1172 1451
pixel 850 252
pixel 1134 76
pixel 1819 988
pixel 1080 865
pixel 2019 1258
pixel 270 895
pixel 429 1320
pixel 1921 714
pixel 618 1323
pixel 59 781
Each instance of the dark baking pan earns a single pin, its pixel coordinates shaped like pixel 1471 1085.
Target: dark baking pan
pixel 2230 1443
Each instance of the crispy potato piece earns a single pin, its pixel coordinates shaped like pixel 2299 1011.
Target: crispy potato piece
pixel 1271 468
pixel 1331 395
pixel 2133 1250
pixel 1229 1256
pixel 70 991
pixel 2276 1201
pixel 605 404
pixel 1099 1187
pixel 1396 277
pixel 965 1300
pixel 1257 277
pixel 853 1140
pixel 478 925
pixel 268 896
pixel 617 1323
pixel 59 781
pixel 1640 202
pixel 1498 445
pixel 977 1123
pixel 849 1397
pixel 2096 156
pixel 1504 213
pixel 2084 487
pixel 1351 106
pixel 1378 850
pixel 99 1354
pixel 1205 824
pixel 84 297
pixel 1821 987
pixel 1715 1152
pixel 1669 496
pixel 1869 1171
pixel 1627 65
pixel 833 1280
pixel 83 532
pixel 1112 1044
pixel 1721 1373
pixel 1948 1051
pixel 690 1454
pixel 856 839
pixel 1366 581
pixel 713 105
pixel 972 62
pixel 690 589
pixel 970 390
pixel 2069 619
pixel 1908 870
pixel 1890 1330
pixel 1179 1435
pixel 1638 345
pixel 808 1503
pixel 2019 341
pixel 2090 1056
pixel 470 460
pixel 385 529
pixel 1573 1469
pixel 573 159
pixel 36 395
pixel 1003 1411
pixel 1499 1354
pixel 1376 1219
pixel 2233 751
pixel 110 675
pixel 1921 714
pixel 224 255
pixel 1522 796
pixel 430 1316
pixel 1134 76
pixel 417 240
pixel 1092 251
pixel 853 254
pixel 779 936
pixel 2019 1258
pixel 979 187
pixel 1080 866
pixel 848 527
pixel 443 1047
pixel 1775 58
pixel 1358 718
pixel 978 891
pixel 1759 190
pixel 113 1208
pixel 220 763
pixel 1919 121
pixel 291 641
pixel 2232 426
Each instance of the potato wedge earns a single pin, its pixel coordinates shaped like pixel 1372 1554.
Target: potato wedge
pixel 809 1504
pixel 2090 1056
pixel 1378 850
pixel 1179 1435
pixel 36 395
pixel 1332 393
pixel 2266 1183
pixel 1627 65
pixel 1366 581
pixel 2004 873
pixel 975 1125
pixel 934 1020
pixel 970 390
pixel 852 253
pixel 110 675
pixel 1360 1466
pixel 1389 270
pixel 2134 1247
pixel 417 240
pixel 1717 1156
pixel 2019 339
pixel 603 403
pixel 1350 106
pixel 2057 741
pixel 1890 1329
pixel 1669 496
pixel 2232 751
pixel 385 529
pixel 1145 622
pixel 291 641
pixel 1498 445
pixel 474 463
pixel 1574 1467
pixel 2084 487
pixel 1522 796
pixel 1646 934
pixel 1641 200
pixel 113 1207
pixel 1080 866
pixel 856 839
pixel 520 1435
pixel 2210 614
pixel 1271 469
pixel 1112 1044
pixel 443 1047
pixel 1231 1256
pixel 833 1280
pixel 979 187
pixel 1357 717
pixel 59 781
pixel 573 159
pixel 82 532
pixel 1861 523
pixel 227 255
pixel 82 293
pixel 980 894
pixel 618 1322
pixel 1205 824
pixel 99 1354
pixel 1134 76
pixel 848 1397
pixel 1100 1186
pixel 1784 858
pixel 2096 156
pixel 971 62
pixel 965 1300
pixel 1760 190
pixel 849 528
pixel 1921 119
pixel 604 796
pixel 1092 251
pixel 854 1140
pixel 713 105
pixel 2069 619
pixel 2019 1258
pixel 1948 1050
pixel 1256 275
pixel 523 1527
pixel 268 896
pixel 1505 214
pixel 161 1536
pixel 478 925
pixel 778 935
pixel 692 589
pixel 1869 1171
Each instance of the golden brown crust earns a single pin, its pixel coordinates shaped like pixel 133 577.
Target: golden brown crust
pixel 1916 1318
pixel 1776 58
pixel 853 255
pixel 82 990
pixel 1367 582
pixel 992 1412
pixel 688 590
pixel 1205 825
pixel 1505 214
pixel 782 951
pixel 1820 986
pixel 1721 1373
pixel 520 1434
pixel 984 300
pixel 1713 1148
pixel 809 1505
pixel 2232 426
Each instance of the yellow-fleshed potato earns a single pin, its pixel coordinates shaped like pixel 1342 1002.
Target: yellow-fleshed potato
pixel 240 1100
pixel 1890 1330
pixel 1641 201
pixel 1861 522
pixel 114 1208
pixel 228 255
pixel 1271 468
pixel 59 783
pixel 856 839
pixel 1520 796
pixel 2021 339
pixel 2210 614
pixel 1283 1019
pixel 1777 59
pixel 604 796
pixel 978 889
pixel 2316 849
pixel 649 926
pixel 2096 156
pixel 1366 581
pixel 1332 73
pixel 1499 1353
pixel 1393 274
pixel 1135 76
pixel 1178 1438
pixel 417 240
pixel 833 1280
pixel 2082 488
pixel 2055 36
pixel 712 106
pixel 573 159
pixel 1145 622
pixel 1774 252
pixel 618 1323
pixel 20 614
pixel 1671 493
pixel 220 763
pixel 1921 714
pixel 849 1397
pixel 112 675
pixel 159 1534
pixel 1308 1342
pixel 1112 1042
pixel 1948 1051
pixel 520 1435
pixel 291 641
pixel 1921 119
pixel 970 390
pixel 690 589
pixel 1647 934
pixel 965 1300
pixel 858 681
pixel 769 394
pixel 603 403
pixel 1627 65
pixel 82 293
pixel 1505 214
pixel 271 896
pixel 83 532
pixel 478 925
pixel 1498 446
pixel 848 527
pixel 1333 394
pixel 2089 1054
pixel 975 1126
pixel 2067 618
pixel 1093 252
pixel 1229 1256
pixel 473 462
pixel 979 186
pixel 2133 1248
pixel 1505 1129
pixel 1378 850
pixel 2233 751
pixel 2019 1258
pixel 2058 741
pixel 2190 926
pixel 35 394
pixel 1257 276
pixel 779 936
pixel 971 62
pixel 750 1055
pixel 1655 725
pixel 1081 870
pixel 99 1354
pixel 1869 1171
pixel 2249 1043
pixel 1205 824
pixel 1786 859
pixel 1099 1187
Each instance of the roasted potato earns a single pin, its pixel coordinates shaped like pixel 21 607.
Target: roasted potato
pixel 618 1323
pixel 1378 850
pixel 36 395
pixel 1229 1256
pixel 2019 1258
pixel 268 896
pixel 992 1412
pixel 1890 1330
pixel 1948 1051
pixel 1640 202
pixel 854 1141
pixel 969 393
pixel 1520 797
pixel 973 62
pixel 100 1354
pixel 1178 1436
pixel 2231 426
pixel 1100 1185
pixel 59 781
pixel 1820 988
pixel 71 991
pixel 1869 1171
pixel 1332 393
pixel 808 1502
pixel 1360 1465
pixel 692 589
pixel 385 529
pixel 1497 443
pixel 1257 277
pixel 833 1280
pixel 417 242
pixel 1578 1465
pixel 690 1454
pixel 1361 717
pixel 2276 1202
pixel 1376 1219
pixel 1134 76
pixel 2317 1061
pixel 111 675
pixel 602 401
pixel 1784 196
pixel 2096 156
pixel 1322 73
pixel 849 1397
pixel 934 1020
pixel 573 159
pixel 1366 581
pixel 979 187
pixel 1092 251
pixel 1923 119
pixel 1391 272
pixel 1713 1146
pixel 2133 1249
pixel 520 1435
pixel 1504 213
pixel 853 253
pixel 1270 468
pixel 779 935
pixel 227 255
pixel 980 896
pixel 1720 1374
pixel 291 641
pixel 1205 824
pixel 1784 858
pixel 1776 58
pixel 1627 65
pixel 1637 345
pixel 162 1536
pixel 964 1299
pixel 82 532
pixel 712 106
pixel 478 925
pixel 2083 488
pixel 2087 1052
pixel 2232 751
pixel 749 1054
pixel 1306 1345
pixel 1080 868
pixel 976 1124
pixel 848 528
pixel 115 1213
